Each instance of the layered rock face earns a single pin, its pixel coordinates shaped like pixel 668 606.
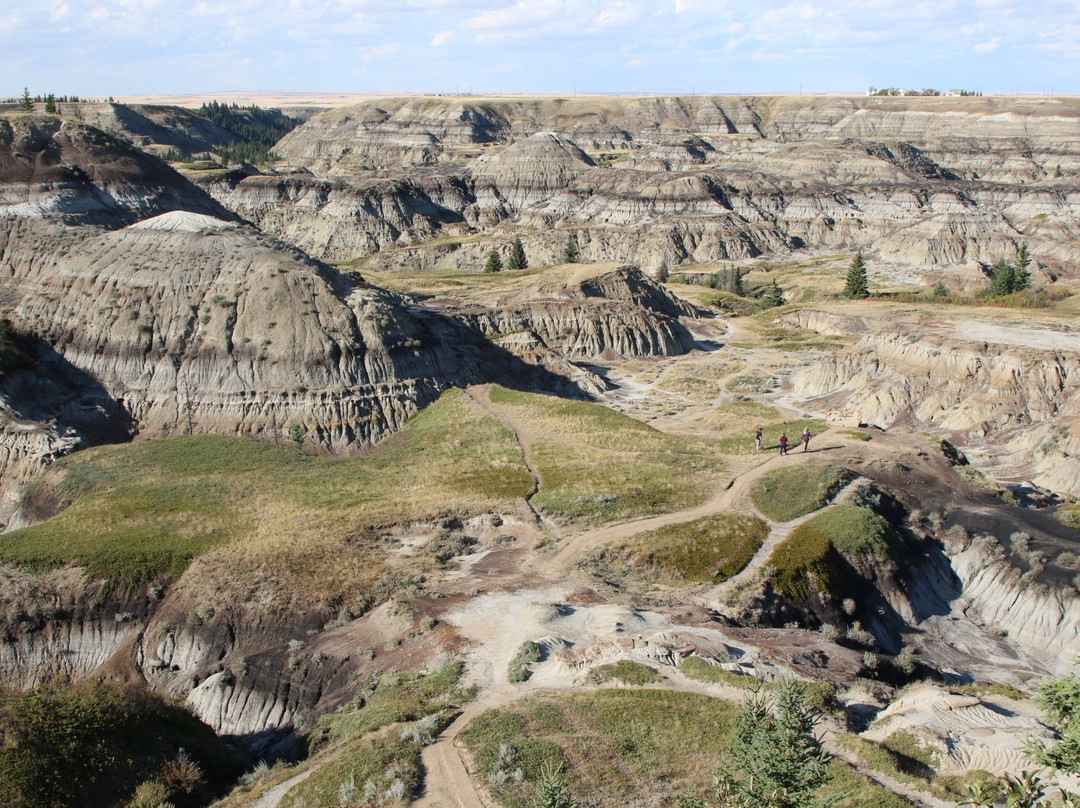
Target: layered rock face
pixel 1008 394
pixel 592 314
pixel 158 310
pixel 930 183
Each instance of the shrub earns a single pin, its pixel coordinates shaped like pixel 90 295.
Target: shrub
pixel 527 654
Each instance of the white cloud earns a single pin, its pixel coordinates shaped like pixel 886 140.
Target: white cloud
pixel 989 46
pixel 441 38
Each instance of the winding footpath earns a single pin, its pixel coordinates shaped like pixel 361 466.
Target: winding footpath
pixel 447 782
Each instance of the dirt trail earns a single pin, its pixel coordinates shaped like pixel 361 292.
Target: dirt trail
pixel 778 531
pixel 732 493
pixel 447 783
pixel 898 787
pixel 273 796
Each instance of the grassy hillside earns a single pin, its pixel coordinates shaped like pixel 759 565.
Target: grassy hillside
pixel 621 746
pixel 814 553
pixel 597 465
pixel 146 509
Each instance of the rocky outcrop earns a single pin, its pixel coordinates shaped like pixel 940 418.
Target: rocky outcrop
pixel 927 183
pixel 241 333
pixel 591 313
pixel 1016 394
pixel 75 174
pixel 1039 619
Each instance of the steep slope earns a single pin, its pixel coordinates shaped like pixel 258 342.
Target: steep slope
pixel 167 314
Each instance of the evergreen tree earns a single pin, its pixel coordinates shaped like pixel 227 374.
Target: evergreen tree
pixel 857 286
pixel 297 434
pixel 775 760
pixel 1023 261
pixel 27 103
pixel 517 258
pixel 494 262
pixel 941 290
pixel 1060 702
pixel 1002 279
pixel 50 104
pixel 774 295
pixel 729 279
pixel 571 253
pixel 552 791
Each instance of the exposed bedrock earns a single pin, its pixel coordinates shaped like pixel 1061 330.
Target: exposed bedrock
pixel 928 183
pixel 591 316
pixel 1014 398
pixel 202 325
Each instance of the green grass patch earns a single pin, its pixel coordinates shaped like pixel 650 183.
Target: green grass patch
pixel 597 465
pixel 899 755
pixel 780 338
pixel 989 689
pixel 852 433
pixel 820 695
pixel 748 383
pixel 1068 515
pixel 626 671
pixel 622 747
pixel 813 556
pixel 787 493
pixel 388 762
pixel 527 654
pixel 392 698
pixel 707 550
pixel 144 510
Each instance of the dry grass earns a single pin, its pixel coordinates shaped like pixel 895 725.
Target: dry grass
pixel 708 550
pixel 596 465
pixel 699 381
pixel 269 521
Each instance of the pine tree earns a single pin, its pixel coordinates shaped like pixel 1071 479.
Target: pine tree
pixel 775 760
pixel 494 262
pixel 27 103
pixel 1002 279
pixel 857 286
pixel 1023 261
pixel 50 104
pixel 774 295
pixel 552 792
pixel 571 253
pixel 517 258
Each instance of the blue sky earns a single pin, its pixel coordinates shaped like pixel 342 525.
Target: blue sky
pixel 131 47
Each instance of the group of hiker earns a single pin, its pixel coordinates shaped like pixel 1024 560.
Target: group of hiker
pixel 784 440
